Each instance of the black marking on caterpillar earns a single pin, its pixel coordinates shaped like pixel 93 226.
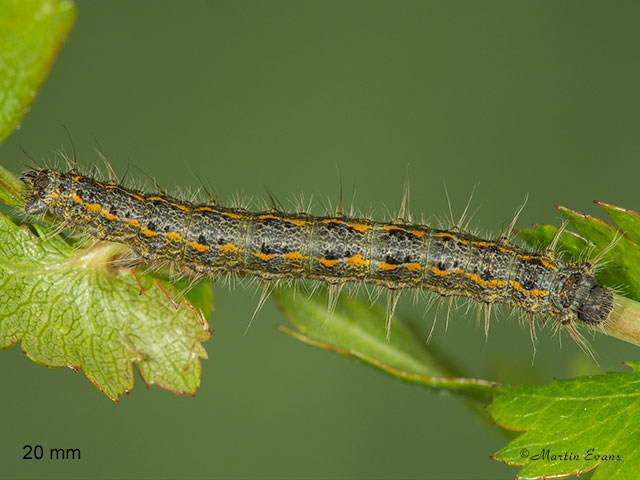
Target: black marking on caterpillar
pixel 208 239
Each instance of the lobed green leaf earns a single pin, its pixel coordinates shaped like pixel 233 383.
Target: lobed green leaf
pixel 71 305
pixel 627 220
pixel 572 426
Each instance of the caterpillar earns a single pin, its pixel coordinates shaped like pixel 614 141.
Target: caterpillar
pixel 209 239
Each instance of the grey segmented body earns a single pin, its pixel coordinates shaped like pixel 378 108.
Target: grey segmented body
pixel 213 240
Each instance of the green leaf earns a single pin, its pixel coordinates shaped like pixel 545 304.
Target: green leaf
pixel 31 32
pixel 571 246
pixel 583 418
pixel 358 331
pixel 627 220
pixel 71 307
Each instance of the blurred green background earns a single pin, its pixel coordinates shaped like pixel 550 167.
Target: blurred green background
pixel 515 97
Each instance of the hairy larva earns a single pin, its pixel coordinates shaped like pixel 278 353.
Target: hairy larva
pixel 208 239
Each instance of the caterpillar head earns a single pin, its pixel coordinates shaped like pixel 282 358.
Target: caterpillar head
pixel 585 299
pixel 44 187
pixel 596 307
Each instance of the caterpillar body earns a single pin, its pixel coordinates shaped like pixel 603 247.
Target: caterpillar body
pixel 209 239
